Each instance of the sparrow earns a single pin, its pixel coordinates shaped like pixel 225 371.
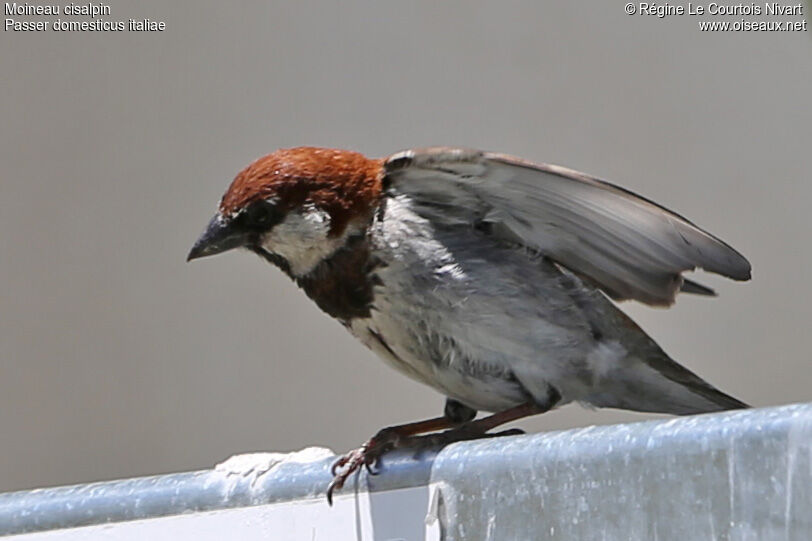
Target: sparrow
pixel 491 279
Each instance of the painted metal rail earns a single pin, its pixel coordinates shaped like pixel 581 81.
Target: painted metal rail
pixel 736 476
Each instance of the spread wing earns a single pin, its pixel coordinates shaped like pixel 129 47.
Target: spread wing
pixel 628 246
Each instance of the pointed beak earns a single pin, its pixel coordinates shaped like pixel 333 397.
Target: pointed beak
pixel 218 237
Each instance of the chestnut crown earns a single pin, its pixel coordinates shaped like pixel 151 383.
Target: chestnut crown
pixel 296 204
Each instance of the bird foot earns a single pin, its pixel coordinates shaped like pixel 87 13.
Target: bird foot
pixel 370 453
pixel 368 456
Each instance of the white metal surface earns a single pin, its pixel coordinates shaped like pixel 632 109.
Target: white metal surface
pixel 738 476
pixel 397 514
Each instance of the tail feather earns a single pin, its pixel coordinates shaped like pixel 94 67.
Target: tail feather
pixel 660 385
pixel 645 378
pixel 687 380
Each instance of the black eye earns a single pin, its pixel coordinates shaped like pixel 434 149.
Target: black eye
pixel 261 215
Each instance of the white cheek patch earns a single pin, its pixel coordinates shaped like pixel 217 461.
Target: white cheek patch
pixel 302 238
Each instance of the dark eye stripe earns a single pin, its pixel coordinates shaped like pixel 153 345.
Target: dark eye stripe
pixel 261 216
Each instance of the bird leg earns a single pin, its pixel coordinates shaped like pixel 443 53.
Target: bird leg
pixel 478 429
pixel 385 440
pixel 462 428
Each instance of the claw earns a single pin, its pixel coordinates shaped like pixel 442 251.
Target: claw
pixel 373 463
pixel 369 468
pixel 332 486
pixel 351 462
pixel 367 456
pixel 336 484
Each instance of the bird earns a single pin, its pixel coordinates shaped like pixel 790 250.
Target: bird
pixel 492 279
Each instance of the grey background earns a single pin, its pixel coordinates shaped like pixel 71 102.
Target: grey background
pixel 119 359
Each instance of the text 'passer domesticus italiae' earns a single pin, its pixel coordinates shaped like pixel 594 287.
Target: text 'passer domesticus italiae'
pixel 484 276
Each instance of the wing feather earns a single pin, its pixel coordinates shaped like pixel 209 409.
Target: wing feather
pixel 629 246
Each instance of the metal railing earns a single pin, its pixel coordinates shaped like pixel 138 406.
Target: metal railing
pixel 738 475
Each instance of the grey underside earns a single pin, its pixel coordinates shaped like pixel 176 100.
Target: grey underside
pixel 492 325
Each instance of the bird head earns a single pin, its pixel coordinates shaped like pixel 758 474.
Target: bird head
pixel 295 207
